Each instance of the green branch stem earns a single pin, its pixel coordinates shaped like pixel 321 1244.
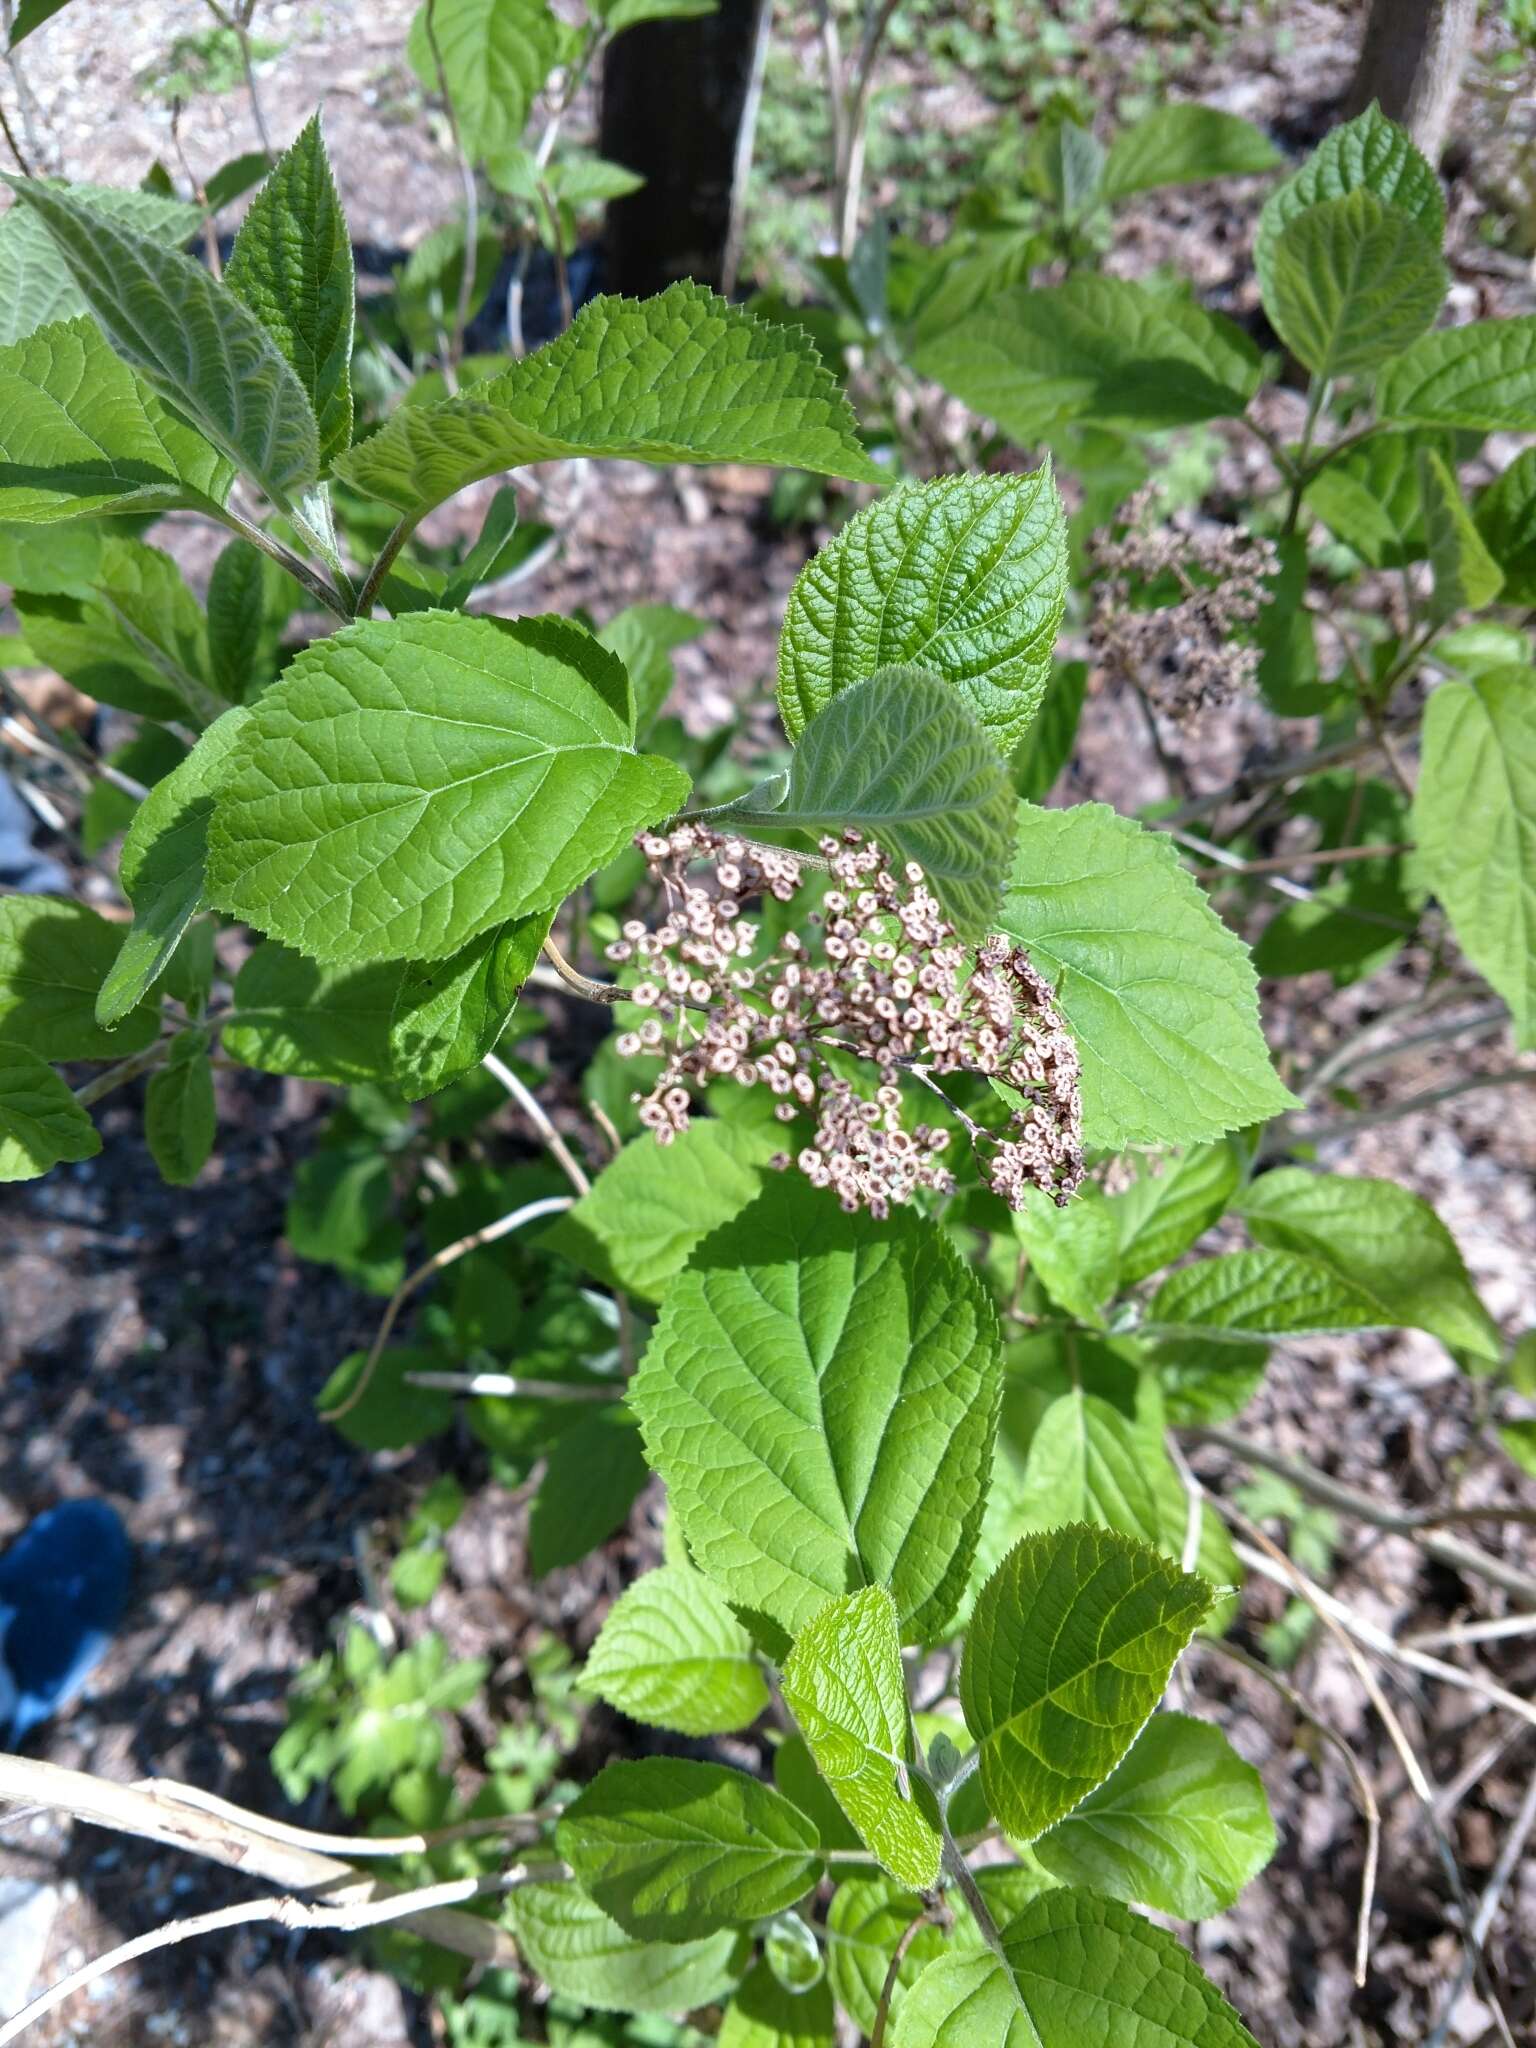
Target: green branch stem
pixel 285 558
pixel 367 597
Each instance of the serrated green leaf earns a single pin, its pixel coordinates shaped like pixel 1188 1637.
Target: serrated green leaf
pixel 405 786
pixel 292 266
pixel 1353 283
pixel 1100 348
pixel 1075 1251
pixel 81 434
pixel 341 1213
pixel 1466 575
pixel 193 340
pixel 1088 1463
pixel 1481 377
pixel 673 1850
pixel 900 759
pixel 820 1397
pixel 1251 1297
pixel 844 1684
pixel 1506 518
pixel 142 593
pixel 866 1920
pixel 180 1118
pixel 36 287
pixel 580 1953
pixel 1370 154
pixel 54 959
pixel 495 56
pixel 1180 1825
pixel 450 1013
pixel 965 577
pixel 767 2014
pixel 163 866
pixel 1076 1969
pixel 391 1415
pixel 679 378
pixel 1164 1211
pixel 152 753
pixel 295 1016
pixel 651 1206
pixel 1474 817
pixel 40 1121
pixel 1371 498
pixel 237 619
pixel 1069 1649
pixel 673 1655
pixel 1185 144
pixel 1383 1240
pixel 1159 994
pixel 644 637
pixel 593 1475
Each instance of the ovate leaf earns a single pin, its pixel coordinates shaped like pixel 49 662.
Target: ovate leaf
pixel 193 340
pixel 292 266
pixel 294 1016
pixel 593 1476
pixel 1074 1251
pixel 81 434
pixel 1088 1463
pixel 40 1121
pixel 580 1953
pixel 495 56
pixel 965 577
pixel 844 1684
pixel 179 1112
pixel 237 618
pixel 1466 576
pixel 1184 144
pixel 1180 1825
pixel 143 597
pixel 1474 817
pixel 644 637
pixel 35 285
pixel 1075 1969
pixel 901 760
pixel 820 1398
pixel 1372 499
pixel 405 786
pixel 1174 1202
pixel 1370 154
pixel 54 959
pixel 1506 518
pixel 1159 994
pixel 1354 282
pixel 450 1013
pixel 1069 1649
pixel 1481 376
pixel 1251 1297
pixel 865 1922
pixel 674 1850
pixel 1381 1239
pixel 673 1655
pixel 679 378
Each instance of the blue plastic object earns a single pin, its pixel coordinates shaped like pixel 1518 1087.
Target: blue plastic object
pixel 63 1588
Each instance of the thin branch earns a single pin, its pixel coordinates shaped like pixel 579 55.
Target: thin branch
pixel 504 1386
pixel 538 1116
pixel 893 1971
pixel 359 1846
pixel 1431 1098
pixel 295 565
pixel 367 597
pixel 120 1075
pixel 13 145
pixel 488 1233
pixel 580 984
pixel 1312 856
pixel 1298 892
pixel 1487 1906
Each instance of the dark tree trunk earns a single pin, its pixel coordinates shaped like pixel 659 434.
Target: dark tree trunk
pixel 1410 61
pixel 673 97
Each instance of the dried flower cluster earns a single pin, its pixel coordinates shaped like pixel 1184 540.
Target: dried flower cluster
pixel 877 973
pixel 1183 655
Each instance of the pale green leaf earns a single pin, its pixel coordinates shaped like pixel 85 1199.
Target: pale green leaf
pixel 81 434
pixel 292 266
pixel 295 1016
pixel 1075 1250
pixel 194 341
pixel 1100 348
pixel 1251 1297
pixel 672 1655
pixel 450 1013
pixel 54 959
pixel 1466 575
pixel 179 1113
pixel 1371 497
pixel 899 758
pixel 1088 1463
pixel 1370 154
pixel 820 1397
pixel 40 1121
pixel 495 55
pixel 1168 1207
pixel 844 1683
pixel 674 1850
pixel 1077 1971
pixel 1353 283
pixel 35 285
pixel 652 1205
pixel 1474 818
pixel 1069 1649
pixel 1481 376
pixel 766 2014
pixel 645 637
pixel 593 1475
pixel 404 786
pixel 1184 144
pixel 866 1920
pixel 580 1953
pixel 163 866
pixel 965 577
pixel 143 595
pixel 679 378
pixel 1382 1240
pixel 341 1213
pixel 1180 1825
pixel 427 287
pixel 1506 518
pixel 1160 996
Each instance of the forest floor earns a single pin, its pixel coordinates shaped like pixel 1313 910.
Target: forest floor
pixel 163 1348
